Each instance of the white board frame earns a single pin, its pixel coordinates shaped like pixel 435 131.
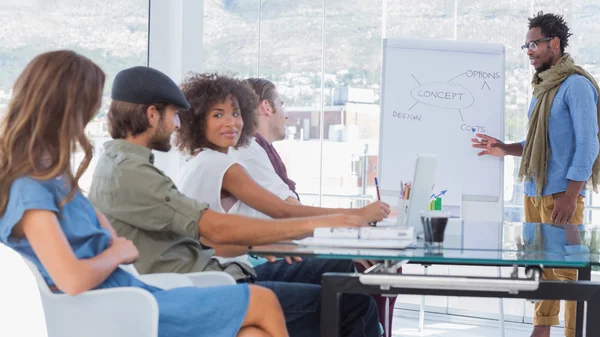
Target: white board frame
pixel 449 46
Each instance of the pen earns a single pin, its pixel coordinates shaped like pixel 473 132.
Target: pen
pixel 378 196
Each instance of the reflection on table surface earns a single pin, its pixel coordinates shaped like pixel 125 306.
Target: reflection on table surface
pixel 480 243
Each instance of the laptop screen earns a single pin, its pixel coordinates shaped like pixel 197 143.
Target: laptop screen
pixel 421 190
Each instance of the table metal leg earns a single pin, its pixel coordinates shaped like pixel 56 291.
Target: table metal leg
pixel 330 309
pixel 583 274
pixel 592 323
pixel 388 326
pixel 422 308
pixel 501 309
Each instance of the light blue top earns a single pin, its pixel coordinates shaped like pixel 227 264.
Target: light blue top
pixel 572 136
pixel 77 219
pixel 214 311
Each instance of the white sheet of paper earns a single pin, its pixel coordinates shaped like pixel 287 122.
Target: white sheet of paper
pixel 366 233
pixel 358 243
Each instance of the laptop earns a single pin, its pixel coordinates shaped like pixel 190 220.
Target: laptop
pixel 420 192
pixel 419 199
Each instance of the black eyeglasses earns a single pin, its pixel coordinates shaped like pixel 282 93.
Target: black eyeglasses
pixel 533 44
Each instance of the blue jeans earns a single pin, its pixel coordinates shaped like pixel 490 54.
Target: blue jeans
pixel 298 288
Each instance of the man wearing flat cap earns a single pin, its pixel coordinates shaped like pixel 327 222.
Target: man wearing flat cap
pixel 139 200
pixel 145 206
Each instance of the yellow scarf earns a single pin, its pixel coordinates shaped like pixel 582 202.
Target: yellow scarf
pixel 536 151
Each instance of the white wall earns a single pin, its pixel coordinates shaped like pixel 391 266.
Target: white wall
pixel 175 47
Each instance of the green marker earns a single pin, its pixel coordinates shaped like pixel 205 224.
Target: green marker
pixel 438 204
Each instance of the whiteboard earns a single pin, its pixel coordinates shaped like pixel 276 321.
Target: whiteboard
pixel 435 96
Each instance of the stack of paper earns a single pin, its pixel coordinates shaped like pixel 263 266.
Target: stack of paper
pixel 364 237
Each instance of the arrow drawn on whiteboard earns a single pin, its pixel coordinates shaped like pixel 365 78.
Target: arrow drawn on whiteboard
pixel 415 79
pixel 461 116
pixel 413 106
pixel 455 77
pixel 485 85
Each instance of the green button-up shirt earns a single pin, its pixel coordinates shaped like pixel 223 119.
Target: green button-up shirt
pixel 144 205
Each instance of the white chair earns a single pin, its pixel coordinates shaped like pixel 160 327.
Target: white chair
pixel 173 280
pixel 115 312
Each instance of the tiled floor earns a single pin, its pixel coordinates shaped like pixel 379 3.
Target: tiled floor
pixel 438 325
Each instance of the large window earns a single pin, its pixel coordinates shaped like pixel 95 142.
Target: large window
pixel 112 33
pixel 326 61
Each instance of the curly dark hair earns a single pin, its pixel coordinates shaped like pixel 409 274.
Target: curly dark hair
pixel 203 91
pixel 552 25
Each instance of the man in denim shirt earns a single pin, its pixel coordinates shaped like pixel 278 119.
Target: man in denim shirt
pixel 560 153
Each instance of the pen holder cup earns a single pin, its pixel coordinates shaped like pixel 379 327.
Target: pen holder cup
pixel 402 212
pixel 434 228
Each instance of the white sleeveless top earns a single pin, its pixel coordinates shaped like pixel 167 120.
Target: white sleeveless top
pixel 256 161
pixel 201 178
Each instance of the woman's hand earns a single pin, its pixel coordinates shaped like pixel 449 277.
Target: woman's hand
pixel 126 251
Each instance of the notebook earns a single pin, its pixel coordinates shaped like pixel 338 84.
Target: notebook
pixel 364 237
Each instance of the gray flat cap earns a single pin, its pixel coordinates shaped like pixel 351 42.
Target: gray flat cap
pixel 144 85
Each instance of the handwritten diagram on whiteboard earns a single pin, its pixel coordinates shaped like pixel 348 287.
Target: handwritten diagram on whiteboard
pixel 436 96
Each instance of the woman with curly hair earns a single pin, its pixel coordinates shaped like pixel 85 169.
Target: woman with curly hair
pixel 223 116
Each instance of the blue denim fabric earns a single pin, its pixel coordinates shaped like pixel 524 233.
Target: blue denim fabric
pixel 298 288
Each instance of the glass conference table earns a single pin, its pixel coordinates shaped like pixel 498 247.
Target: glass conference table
pixel 531 245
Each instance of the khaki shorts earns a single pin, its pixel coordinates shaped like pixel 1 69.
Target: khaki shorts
pixel 543 212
